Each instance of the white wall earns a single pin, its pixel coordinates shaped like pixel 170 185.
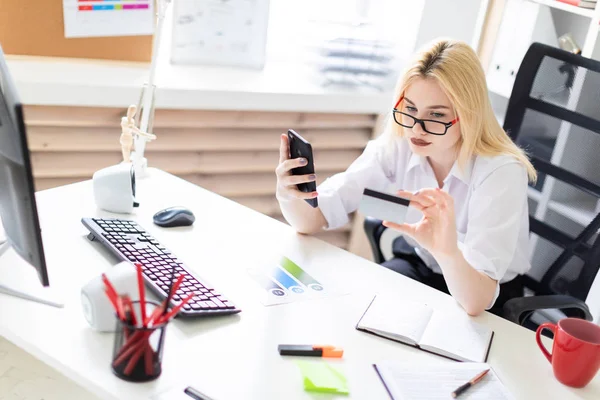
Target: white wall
pixel 454 19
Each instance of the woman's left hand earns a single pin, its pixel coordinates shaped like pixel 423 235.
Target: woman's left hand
pixel 436 231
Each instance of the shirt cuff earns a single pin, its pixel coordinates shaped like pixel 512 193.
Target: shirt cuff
pixel 332 207
pixel 481 263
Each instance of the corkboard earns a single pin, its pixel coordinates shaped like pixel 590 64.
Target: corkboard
pixel 35 27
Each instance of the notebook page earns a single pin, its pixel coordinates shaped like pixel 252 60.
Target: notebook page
pixel 390 316
pixel 438 381
pixel 456 335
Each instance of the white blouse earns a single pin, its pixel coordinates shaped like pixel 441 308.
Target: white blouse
pixel 490 200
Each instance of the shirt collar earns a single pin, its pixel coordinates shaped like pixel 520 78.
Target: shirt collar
pixel 463 175
pixel 416 160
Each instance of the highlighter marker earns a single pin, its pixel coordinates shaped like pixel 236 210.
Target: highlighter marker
pixel 310 350
pixel 194 394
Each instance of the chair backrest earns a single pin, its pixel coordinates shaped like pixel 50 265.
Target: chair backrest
pixel 553 112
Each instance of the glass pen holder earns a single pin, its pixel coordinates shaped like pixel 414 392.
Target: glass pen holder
pixel 137 351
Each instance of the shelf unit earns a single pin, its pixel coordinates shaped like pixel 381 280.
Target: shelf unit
pixel 524 22
pixel 527 21
pixel 559 5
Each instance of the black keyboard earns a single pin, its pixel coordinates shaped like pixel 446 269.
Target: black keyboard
pixel 130 242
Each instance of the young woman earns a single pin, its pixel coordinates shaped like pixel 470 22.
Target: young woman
pixel 467 182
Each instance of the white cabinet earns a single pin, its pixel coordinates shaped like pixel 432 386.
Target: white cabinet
pixel 528 21
pixel 523 23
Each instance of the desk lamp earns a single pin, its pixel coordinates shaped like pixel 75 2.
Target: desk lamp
pixel 114 186
pixel 145 117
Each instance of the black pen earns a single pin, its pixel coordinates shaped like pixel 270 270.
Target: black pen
pixel 196 395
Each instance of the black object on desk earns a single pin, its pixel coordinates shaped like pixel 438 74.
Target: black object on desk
pixel 138 349
pixel 196 395
pixel 310 350
pixel 130 242
pixel 174 216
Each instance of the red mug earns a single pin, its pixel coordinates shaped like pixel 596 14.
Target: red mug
pixel 575 354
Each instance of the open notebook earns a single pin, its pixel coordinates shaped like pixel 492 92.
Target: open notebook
pixel 452 335
pixel 415 382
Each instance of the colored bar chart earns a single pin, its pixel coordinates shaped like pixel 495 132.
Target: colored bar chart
pixel 300 274
pixel 102 18
pixel 283 278
pixel 266 283
pixel 284 281
pixel 94 5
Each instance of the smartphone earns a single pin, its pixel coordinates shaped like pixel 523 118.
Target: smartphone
pixel 299 147
pixel 383 206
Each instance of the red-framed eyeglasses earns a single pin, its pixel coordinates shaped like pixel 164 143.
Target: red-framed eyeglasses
pixel 429 125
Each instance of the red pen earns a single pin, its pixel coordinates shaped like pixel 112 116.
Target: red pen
pixel 148 360
pixel 141 289
pixel 135 357
pixel 136 345
pixel 111 298
pixel 120 309
pixel 175 310
pixel 109 286
pixel 132 342
pixel 133 345
pixel 129 309
pixel 175 287
pixel 154 316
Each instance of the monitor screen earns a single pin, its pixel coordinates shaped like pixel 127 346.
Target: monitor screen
pixel 18 209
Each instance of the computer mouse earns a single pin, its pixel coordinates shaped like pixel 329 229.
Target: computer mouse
pixel 173 217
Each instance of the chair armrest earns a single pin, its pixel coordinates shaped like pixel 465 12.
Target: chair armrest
pixel 374 229
pixel 519 308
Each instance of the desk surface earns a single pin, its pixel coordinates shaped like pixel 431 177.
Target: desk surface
pixel 235 357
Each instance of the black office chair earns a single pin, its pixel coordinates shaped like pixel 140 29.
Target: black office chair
pixel 547 78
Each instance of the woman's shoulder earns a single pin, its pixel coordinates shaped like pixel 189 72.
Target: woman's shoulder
pixel 502 168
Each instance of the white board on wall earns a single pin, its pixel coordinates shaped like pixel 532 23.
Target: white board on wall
pixel 220 32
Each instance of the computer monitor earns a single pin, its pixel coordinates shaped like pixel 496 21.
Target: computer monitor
pixel 18 209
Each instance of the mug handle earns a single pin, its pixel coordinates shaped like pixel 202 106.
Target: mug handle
pixel 545 325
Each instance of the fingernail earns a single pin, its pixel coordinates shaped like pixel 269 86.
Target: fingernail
pixel 416 193
pixel 312 177
pixel 303 161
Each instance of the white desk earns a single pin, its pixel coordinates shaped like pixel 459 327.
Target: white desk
pixel 235 357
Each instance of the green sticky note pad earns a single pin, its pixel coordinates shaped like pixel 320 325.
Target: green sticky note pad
pixel 322 377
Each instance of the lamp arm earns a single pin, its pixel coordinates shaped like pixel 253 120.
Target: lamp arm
pixel 147 100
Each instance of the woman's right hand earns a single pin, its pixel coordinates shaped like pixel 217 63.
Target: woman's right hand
pixel 286 182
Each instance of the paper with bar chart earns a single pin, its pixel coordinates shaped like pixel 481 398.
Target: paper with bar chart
pixel 93 18
pixel 286 282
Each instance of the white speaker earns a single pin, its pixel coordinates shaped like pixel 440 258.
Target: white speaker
pixel 114 188
pixel 97 309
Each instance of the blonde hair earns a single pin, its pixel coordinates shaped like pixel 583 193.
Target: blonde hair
pixel 457 69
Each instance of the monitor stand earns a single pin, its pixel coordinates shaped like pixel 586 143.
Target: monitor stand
pixel 24 294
